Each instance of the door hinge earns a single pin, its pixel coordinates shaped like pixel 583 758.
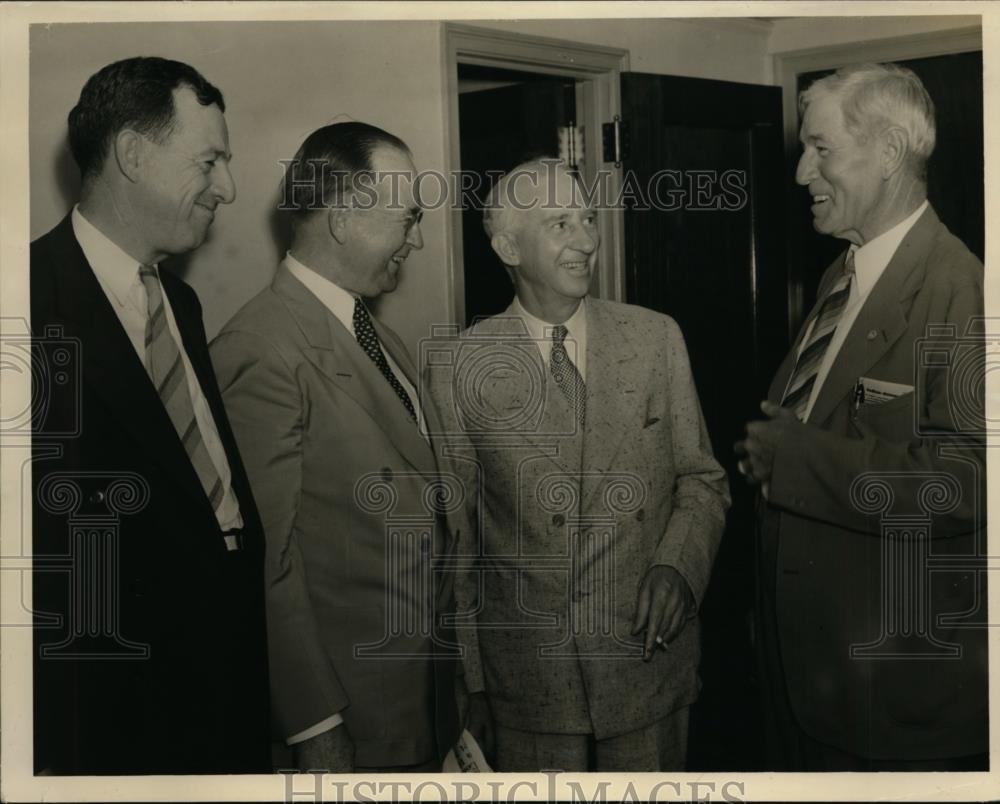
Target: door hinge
pixel 571 145
pixel 615 139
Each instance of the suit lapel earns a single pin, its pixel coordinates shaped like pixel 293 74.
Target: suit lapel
pixel 880 322
pixel 612 393
pixel 337 355
pixel 528 395
pixel 112 369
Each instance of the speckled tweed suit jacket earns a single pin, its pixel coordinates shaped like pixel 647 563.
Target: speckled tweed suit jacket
pixel 562 524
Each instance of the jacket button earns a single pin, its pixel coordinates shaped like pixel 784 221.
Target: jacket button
pixel 96 497
pixel 386 474
pixel 558 520
pixel 640 515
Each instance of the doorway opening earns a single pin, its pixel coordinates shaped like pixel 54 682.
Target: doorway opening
pixel 513 97
pixel 505 117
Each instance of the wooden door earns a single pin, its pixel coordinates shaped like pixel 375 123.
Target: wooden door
pixel 710 252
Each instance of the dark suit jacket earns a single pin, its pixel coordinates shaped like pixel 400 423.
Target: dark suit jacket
pixel 568 522
pixel 343 478
pixel 166 671
pixel 824 542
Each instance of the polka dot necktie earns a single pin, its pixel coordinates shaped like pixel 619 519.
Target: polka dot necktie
pixel 566 375
pixel 804 375
pixel 368 340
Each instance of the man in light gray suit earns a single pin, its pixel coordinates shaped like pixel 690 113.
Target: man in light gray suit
pixel 323 401
pixel 591 486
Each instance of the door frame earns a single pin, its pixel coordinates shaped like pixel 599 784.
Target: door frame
pixel 787 68
pixel 597 71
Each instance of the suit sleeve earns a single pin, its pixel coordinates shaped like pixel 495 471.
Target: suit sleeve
pixel 265 410
pixel 465 522
pixel 814 475
pixel 701 490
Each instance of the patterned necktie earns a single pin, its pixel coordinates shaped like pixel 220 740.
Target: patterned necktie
pixel 566 376
pixel 803 378
pixel 368 340
pixel 166 369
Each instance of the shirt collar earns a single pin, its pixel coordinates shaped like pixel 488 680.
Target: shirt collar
pixel 116 270
pixel 337 300
pixel 576 324
pixel 871 259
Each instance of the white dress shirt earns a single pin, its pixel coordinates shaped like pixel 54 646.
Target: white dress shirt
pixel 870 262
pixel 118 275
pixel 576 334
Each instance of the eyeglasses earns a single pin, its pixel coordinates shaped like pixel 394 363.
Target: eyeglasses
pixel 410 219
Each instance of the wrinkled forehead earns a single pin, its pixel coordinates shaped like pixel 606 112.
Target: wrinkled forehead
pixel 823 118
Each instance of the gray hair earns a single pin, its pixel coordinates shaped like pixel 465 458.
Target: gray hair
pixel 875 96
pixel 498 216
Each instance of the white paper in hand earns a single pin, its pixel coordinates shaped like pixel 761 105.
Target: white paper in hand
pixel 466 757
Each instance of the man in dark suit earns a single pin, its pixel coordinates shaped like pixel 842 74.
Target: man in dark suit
pixel 150 649
pixel 323 401
pixel 594 503
pixel 871 460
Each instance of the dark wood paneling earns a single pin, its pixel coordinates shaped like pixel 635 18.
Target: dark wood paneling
pixel 721 274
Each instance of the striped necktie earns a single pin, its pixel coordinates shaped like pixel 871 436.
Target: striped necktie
pixel 166 369
pixel 367 338
pixel 803 378
pixel 566 375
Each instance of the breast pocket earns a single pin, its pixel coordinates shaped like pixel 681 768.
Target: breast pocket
pixel 896 420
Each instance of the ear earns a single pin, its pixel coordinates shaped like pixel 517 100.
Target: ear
pixel 505 245
pixel 128 146
pixel 895 149
pixel 336 222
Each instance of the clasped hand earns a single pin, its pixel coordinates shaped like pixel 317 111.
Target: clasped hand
pixel 756 451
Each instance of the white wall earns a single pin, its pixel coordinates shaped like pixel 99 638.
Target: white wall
pixel 280 81
pixel 723 49
pixel 802 33
pixel 283 80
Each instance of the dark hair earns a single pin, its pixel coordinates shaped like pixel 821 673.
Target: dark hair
pixel 134 93
pixel 328 164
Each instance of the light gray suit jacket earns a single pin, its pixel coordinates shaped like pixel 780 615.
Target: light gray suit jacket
pixel 344 482
pixel 568 522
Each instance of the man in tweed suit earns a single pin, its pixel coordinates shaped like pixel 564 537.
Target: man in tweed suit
pixel 592 489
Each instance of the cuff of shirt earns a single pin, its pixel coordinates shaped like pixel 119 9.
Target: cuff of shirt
pixel 314 731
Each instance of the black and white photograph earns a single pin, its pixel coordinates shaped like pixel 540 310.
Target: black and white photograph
pixel 497 401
